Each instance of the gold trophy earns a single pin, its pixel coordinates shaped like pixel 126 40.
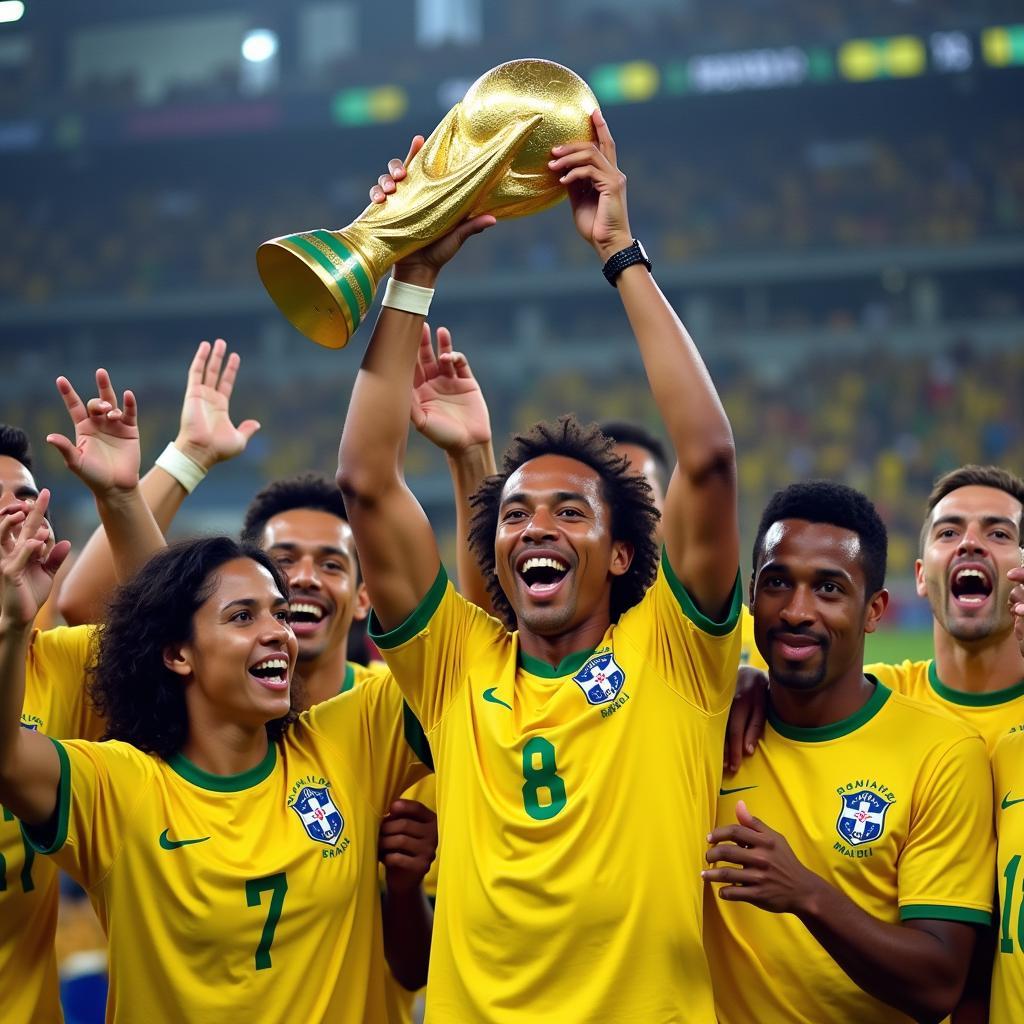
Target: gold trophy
pixel 489 155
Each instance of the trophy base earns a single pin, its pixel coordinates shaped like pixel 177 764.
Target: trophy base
pixel 321 284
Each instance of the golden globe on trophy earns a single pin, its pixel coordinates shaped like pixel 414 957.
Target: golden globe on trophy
pixel 489 155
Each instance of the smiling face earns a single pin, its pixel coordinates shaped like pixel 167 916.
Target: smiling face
pixel 554 553
pixel 972 541
pixel 809 603
pixel 18 484
pixel 238 664
pixel 316 552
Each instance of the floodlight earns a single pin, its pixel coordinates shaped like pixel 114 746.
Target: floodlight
pixel 11 10
pixel 260 44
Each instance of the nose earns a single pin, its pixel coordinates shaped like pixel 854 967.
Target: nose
pixel 275 632
pixel 799 609
pixel 541 525
pixel 303 573
pixel 971 542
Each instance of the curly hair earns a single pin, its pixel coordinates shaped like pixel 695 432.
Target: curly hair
pixel 308 490
pixel 834 504
pixel 634 518
pixel 142 700
pixel 14 443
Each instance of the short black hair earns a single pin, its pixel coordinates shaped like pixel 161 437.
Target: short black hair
pixel 634 518
pixel 142 700
pixel 14 443
pixel 308 490
pixel 974 476
pixel 623 432
pixel 825 501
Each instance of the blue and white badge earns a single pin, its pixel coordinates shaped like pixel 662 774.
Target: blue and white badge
pixel 320 818
pixel 862 818
pixel 600 679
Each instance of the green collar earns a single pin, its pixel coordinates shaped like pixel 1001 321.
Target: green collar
pixel 821 733
pixel 225 783
pixel 350 677
pixel 973 700
pixel 570 664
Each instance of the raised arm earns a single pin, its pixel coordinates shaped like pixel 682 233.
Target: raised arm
pixel 105 456
pixel 397 549
pixel 700 521
pixel 29 766
pixel 206 436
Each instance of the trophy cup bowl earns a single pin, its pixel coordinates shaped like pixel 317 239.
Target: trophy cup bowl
pixel 489 155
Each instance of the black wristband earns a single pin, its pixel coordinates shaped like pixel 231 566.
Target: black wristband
pixel 618 262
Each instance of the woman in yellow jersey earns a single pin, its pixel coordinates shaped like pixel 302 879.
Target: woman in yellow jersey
pixel 229 846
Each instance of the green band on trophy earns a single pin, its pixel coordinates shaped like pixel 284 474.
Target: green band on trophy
pixel 332 264
pixel 352 262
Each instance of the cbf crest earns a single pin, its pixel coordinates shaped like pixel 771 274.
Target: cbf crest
pixel 600 679
pixel 862 818
pixel 320 817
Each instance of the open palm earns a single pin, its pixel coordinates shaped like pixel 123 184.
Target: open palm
pixel 105 454
pixel 27 567
pixel 448 407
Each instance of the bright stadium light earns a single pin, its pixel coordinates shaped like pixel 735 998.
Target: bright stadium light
pixel 260 44
pixel 11 10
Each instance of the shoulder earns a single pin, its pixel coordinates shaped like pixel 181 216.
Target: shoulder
pixel 929 725
pixel 68 643
pixel 1010 749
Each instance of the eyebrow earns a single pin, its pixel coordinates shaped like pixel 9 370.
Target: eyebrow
pixel 952 520
pixel 522 498
pixel 252 602
pixel 323 549
pixel 823 574
pixel 26 491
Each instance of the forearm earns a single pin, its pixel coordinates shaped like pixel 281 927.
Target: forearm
pixel 908 969
pixel 14 644
pixel 680 383
pixel 92 578
pixel 131 530
pixel 974 1004
pixel 408 923
pixel 468 470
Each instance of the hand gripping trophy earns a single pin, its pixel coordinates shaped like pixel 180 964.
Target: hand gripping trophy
pixel 489 155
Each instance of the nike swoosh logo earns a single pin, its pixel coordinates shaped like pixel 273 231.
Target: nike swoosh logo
pixel 741 789
pixel 489 696
pixel 1007 802
pixel 173 844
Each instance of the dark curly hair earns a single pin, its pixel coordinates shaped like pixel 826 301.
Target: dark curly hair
pixel 308 490
pixel 14 443
pixel 634 517
pixel 835 504
pixel 142 701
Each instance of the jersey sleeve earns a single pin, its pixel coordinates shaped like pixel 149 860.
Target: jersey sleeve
pixel 749 654
pixel 695 655
pixel 375 731
pixel 60 659
pixel 947 867
pixel 896 677
pixel 100 784
pixel 430 653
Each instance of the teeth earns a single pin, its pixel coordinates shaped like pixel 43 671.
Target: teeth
pixel 544 563
pixel 280 663
pixel 964 573
pixel 304 608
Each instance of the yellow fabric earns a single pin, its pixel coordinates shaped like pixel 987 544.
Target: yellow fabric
pixel 933 858
pixel 992 714
pixel 571 833
pixel 1008 792
pixel 55 704
pixel 749 654
pixel 187 922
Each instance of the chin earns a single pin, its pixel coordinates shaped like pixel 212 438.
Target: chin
pixel 545 621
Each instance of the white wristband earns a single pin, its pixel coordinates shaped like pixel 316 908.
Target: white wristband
pixel 410 298
pixel 186 471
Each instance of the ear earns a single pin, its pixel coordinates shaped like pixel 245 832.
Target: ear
pixel 177 659
pixel 919 584
pixel 622 557
pixel 362 603
pixel 877 604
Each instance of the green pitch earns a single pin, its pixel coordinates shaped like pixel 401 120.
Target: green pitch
pixel 895 645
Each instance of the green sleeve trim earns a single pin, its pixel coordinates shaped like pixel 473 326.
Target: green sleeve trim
pixel 416 622
pixel 933 912
pixel 416 737
pixel 693 613
pixel 51 835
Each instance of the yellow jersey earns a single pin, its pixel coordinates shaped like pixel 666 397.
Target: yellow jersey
pixel 55 703
pixel 992 714
pixel 892 807
pixel 749 654
pixel 249 897
pixel 1008 792
pixel 573 804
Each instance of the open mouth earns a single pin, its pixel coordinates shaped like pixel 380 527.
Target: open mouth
pixel 542 574
pixel 970 586
pixel 306 616
pixel 272 672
